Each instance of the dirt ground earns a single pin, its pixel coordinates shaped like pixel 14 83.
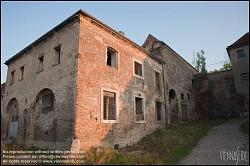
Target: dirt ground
pixel 224 144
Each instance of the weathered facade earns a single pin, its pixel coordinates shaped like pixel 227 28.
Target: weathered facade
pixel 178 78
pixel 83 84
pixel 239 57
pixel 223 95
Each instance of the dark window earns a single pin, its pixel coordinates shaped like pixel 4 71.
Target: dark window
pixel 138 68
pixel 188 96
pixel 192 82
pixel 109 105
pixel 21 72
pixel 40 64
pixel 139 113
pixel 182 96
pixel 112 58
pixel 14 118
pixel 158 110
pixel 244 78
pixel 157 80
pixel 12 77
pixel 47 102
pixel 240 54
pixel 57 57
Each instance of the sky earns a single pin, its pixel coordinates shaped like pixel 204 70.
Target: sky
pixel 187 27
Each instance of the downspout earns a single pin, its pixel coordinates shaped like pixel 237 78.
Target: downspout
pixel 164 92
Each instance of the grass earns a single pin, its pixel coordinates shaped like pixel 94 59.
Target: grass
pixel 164 146
pixel 245 127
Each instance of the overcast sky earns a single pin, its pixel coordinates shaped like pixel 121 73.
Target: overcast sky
pixel 187 27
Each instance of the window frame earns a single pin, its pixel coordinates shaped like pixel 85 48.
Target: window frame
pixel 188 96
pixel 12 77
pixel 144 109
pixel 182 96
pixel 21 73
pixel 38 63
pixel 245 80
pixel 117 57
pixel 158 101
pixel 60 55
pixel 242 58
pixel 134 74
pixel 117 104
pixel 156 71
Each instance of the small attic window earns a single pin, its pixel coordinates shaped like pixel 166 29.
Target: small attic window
pixel 112 57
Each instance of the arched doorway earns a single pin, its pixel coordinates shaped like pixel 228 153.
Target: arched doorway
pixel 173 106
pixel 13 113
pixel 44 116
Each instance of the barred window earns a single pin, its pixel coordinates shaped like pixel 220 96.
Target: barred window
pixel 109 105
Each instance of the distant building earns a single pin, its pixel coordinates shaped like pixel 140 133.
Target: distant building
pixel 239 57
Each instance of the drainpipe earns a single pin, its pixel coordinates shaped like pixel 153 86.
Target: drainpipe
pixel 164 91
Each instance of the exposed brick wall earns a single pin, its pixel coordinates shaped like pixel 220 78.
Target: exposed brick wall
pixel 93 74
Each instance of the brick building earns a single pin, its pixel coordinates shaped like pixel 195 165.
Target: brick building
pixel 84 84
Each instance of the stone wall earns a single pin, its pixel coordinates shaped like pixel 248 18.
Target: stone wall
pixel 223 94
pixel 59 79
pixel 216 95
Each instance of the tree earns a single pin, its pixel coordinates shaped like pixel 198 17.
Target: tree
pixel 227 65
pixel 200 62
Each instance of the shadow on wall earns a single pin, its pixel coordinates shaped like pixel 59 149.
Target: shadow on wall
pixel 137 112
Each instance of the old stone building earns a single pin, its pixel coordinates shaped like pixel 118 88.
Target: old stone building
pixel 239 57
pixel 84 84
pixel 178 78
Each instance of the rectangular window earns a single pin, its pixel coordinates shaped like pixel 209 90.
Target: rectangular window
pixel 158 110
pixel 47 102
pixel 188 96
pixel 40 64
pixel 12 77
pixel 109 106
pixel 21 73
pixel 157 80
pixel 241 55
pixel 139 110
pixel 182 96
pixel 57 56
pixel 138 69
pixel 244 78
pixel 112 58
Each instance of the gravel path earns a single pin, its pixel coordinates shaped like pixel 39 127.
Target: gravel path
pixel 220 146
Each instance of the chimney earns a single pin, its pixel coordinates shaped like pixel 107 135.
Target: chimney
pixel 122 33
